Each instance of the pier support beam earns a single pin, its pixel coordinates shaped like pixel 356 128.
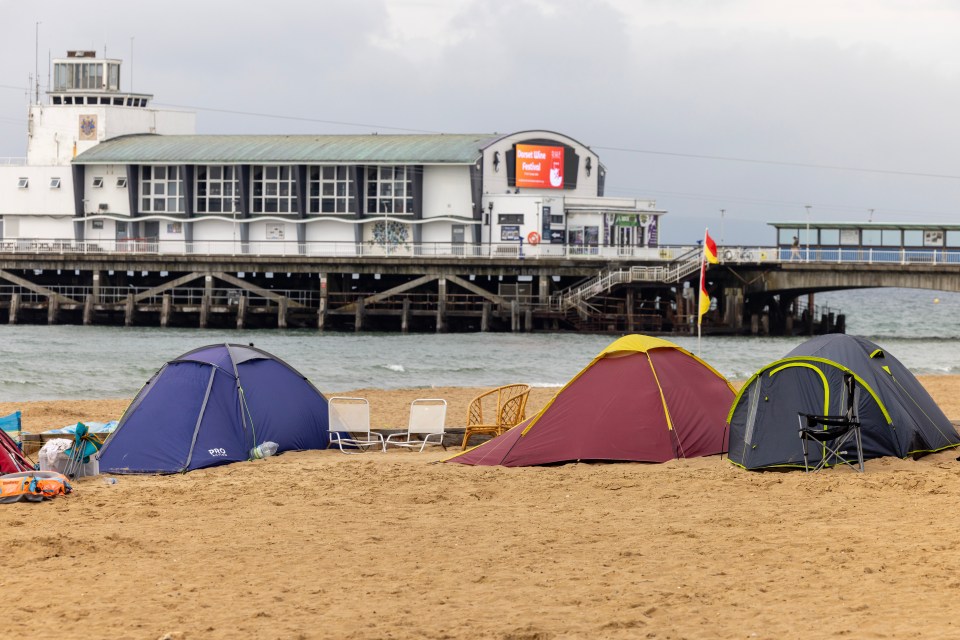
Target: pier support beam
pixel 322 310
pixel 441 305
pixel 14 308
pixel 405 317
pixel 358 317
pixel 528 321
pixel 208 286
pixel 631 321
pixel 53 307
pixel 514 316
pixel 166 309
pixel 129 311
pixel 282 312
pixel 88 310
pixel 811 304
pixel 241 311
pixel 543 294
pixel 204 310
pixel 733 308
pixel 96 287
pixel 485 316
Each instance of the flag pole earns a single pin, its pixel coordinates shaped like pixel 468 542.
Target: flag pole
pixel 703 268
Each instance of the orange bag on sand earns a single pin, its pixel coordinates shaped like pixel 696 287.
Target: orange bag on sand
pixel 33 486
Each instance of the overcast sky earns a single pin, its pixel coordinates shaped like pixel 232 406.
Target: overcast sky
pixel 757 107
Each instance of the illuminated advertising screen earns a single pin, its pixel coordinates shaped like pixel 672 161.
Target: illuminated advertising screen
pixel 539 167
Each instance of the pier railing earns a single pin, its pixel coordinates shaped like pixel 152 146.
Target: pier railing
pixel 282 248
pixel 604 281
pixel 671 254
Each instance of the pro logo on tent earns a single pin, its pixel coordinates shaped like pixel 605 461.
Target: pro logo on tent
pixel 641 399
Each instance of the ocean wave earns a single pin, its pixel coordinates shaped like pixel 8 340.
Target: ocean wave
pixel 546 385
pixel 397 368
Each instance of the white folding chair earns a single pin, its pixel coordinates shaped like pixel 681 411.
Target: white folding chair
pixel 349 425
pixel 427 418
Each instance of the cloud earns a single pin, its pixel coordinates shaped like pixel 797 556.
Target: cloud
pixel 861 84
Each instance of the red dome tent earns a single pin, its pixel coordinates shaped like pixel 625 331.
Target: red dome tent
pixel 641 399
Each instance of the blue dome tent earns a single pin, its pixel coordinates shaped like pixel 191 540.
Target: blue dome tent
pixel 211 406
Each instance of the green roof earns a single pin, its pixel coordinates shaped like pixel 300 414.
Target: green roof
pixel 289 149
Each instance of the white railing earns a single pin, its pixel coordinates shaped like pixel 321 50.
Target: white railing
pixel 852 255
pixel 672 256
pixel 605 281
pixel 489 251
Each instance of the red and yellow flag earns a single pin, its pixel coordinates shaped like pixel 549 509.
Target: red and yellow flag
pixel 709 255
pixel 703 296
pixel 709 249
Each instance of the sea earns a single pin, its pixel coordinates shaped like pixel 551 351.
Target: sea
pixel 921 328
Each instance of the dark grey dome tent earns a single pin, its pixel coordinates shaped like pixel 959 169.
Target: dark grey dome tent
pixel 897 415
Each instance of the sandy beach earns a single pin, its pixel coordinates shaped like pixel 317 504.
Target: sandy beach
pixel 319 544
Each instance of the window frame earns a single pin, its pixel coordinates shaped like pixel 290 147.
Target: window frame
pixel 341 198
pixel 385 189
pixel 273 189
pixel 160 187
pixel 226 179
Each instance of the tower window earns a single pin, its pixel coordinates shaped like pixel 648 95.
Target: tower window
pixel 54 183
pixel 23 183
pixel 98 182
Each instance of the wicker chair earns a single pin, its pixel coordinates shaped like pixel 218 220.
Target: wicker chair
pixel 495 411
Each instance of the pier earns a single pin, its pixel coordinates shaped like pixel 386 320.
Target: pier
pixel 50 284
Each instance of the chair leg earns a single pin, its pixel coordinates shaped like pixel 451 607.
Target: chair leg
pixel 466 438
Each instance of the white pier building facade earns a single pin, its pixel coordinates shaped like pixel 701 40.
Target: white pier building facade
pixel 107 171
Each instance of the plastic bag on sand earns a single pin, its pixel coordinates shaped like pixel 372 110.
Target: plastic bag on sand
pixel 51 456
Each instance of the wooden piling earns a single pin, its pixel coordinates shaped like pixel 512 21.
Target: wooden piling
pixel 631 321
pixel 241 311
pixel 282 304
pixel 88 310
pixel 514 316
pixel 322 310
pixel 405 317
pixel 166 310
pixel 53 307
pixel 129 311
pixel 485 316
pixel 441 305
pixel 528 321
pixel 204 310
pixel 14 308
pixel 358 318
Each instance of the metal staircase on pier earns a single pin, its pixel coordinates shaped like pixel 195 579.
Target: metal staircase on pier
pixel 575 298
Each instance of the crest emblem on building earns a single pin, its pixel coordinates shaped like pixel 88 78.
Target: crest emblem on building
pixel 88 127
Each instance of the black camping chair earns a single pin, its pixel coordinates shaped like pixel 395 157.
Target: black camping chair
pixel 833 434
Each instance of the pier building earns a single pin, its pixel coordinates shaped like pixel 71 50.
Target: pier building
pixel 106 167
